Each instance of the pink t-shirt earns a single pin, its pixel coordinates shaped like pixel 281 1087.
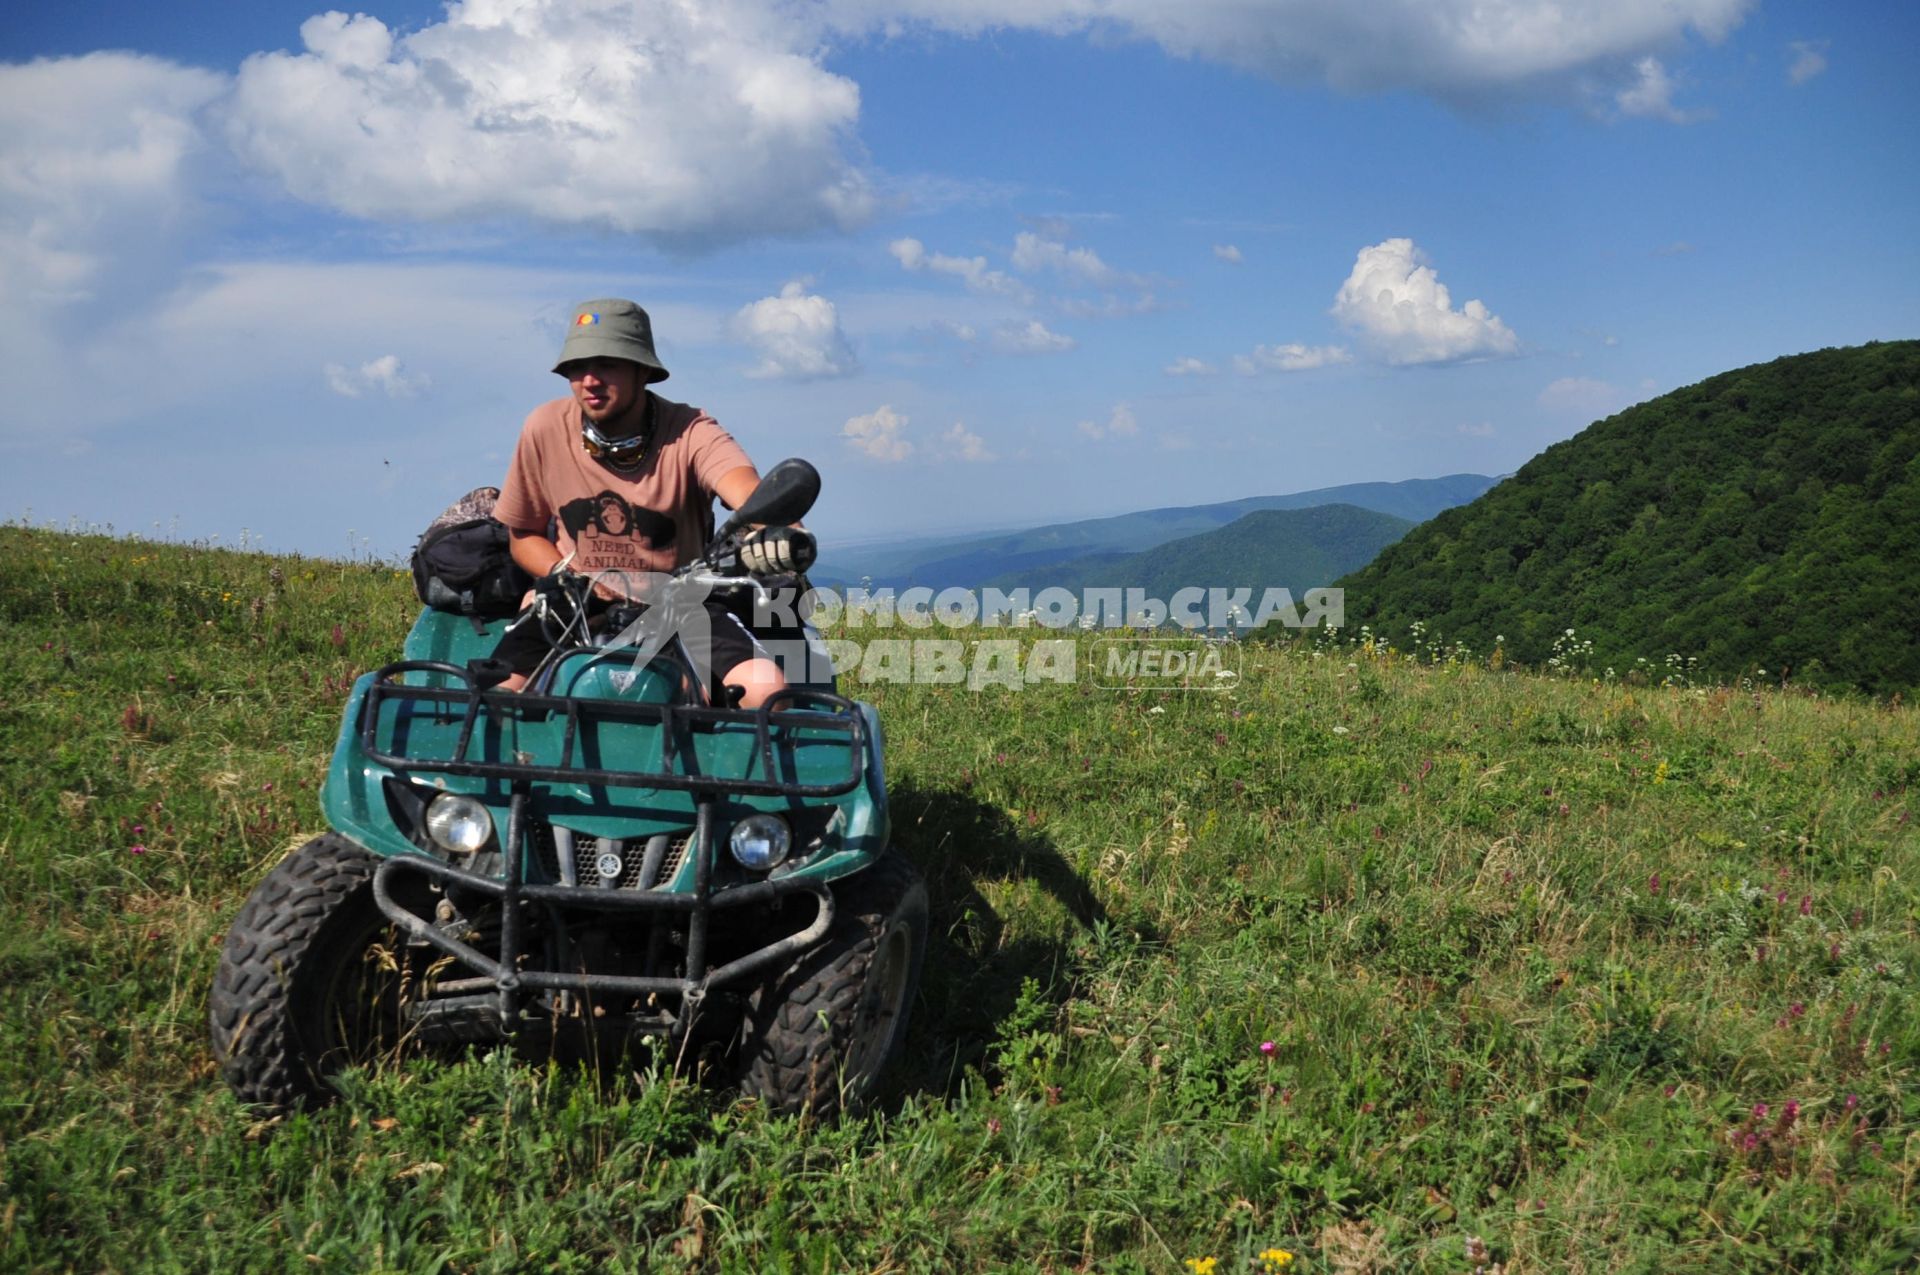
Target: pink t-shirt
pixel 655 519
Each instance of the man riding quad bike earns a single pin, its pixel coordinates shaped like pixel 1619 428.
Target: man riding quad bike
pixel 601 856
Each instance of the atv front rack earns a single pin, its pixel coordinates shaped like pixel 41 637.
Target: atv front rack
pixel 410 712
pixel 526 740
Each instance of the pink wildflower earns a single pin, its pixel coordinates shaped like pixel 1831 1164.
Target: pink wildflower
pixel 1268 1048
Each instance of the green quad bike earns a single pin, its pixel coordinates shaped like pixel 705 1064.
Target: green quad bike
pixel 599 858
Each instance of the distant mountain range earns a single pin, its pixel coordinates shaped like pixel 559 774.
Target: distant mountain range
pixel 1295 549
pixel 1764 519
pixel 1092 547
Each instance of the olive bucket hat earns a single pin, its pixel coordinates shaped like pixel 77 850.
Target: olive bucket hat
pixel 611 329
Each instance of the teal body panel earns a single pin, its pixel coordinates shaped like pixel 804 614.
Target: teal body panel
pixel 355 801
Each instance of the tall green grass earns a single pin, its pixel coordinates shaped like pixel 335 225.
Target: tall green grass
pixel 1383 963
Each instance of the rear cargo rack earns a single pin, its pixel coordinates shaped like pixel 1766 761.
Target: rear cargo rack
pixel 791 717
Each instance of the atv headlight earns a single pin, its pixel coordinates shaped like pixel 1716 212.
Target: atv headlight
pixel 458 824
pixel 760 842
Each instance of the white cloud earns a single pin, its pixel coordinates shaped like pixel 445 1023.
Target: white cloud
pixel 1650 96
pixel 1483 430
pixel 796 334
pixel 1032 253
pixel 1404 314
pixel 94 171
pixel 914 257
pixel 965 333
pixel 1032 337
pixel 1809 60
pixel 1120 424
pixel 1459 50
pixel 961 443
pixel 1228 252
pixel 878 434
pixel 1190 367
pixel 691 122
pixel 98 167
pixel 1582 398
pixel 1292 357
pixel 383 375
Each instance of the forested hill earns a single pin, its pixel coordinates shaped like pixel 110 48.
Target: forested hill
pixel 1298 549
pixel 1767 518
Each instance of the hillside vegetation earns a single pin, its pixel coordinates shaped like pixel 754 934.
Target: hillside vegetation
pixel 1364 963
pixel 969 562
pixel 1296 549
pixel 1765 519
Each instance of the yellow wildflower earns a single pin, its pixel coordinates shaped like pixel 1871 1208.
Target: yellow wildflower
pixel 1275 1259
pixel 1202 1265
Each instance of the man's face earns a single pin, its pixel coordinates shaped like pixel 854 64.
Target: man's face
pixel 605 388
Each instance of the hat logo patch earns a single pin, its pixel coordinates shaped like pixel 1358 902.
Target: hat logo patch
pixel 586 320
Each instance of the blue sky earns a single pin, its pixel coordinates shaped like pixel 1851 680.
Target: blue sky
pixel 987 263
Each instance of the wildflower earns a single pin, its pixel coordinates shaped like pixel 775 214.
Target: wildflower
pixel 1853 1100
pixel 139 829
pixel 1790 1112
pixel 136 849
pixel 1202 1265
pixel 1653 885
pixel 993 1126
pixel 1759 1111
pixel 1340 730
pixel 1268 1048
pixel 1156 709
pixel 1275 1259
pixel 1806 905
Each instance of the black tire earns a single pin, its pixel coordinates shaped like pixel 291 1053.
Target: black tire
pixel 819 1036
pixel 311 980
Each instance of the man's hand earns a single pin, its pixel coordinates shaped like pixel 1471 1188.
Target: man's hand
pixel 561 589
pixel 773 551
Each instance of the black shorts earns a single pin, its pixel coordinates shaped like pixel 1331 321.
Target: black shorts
pixel 525 643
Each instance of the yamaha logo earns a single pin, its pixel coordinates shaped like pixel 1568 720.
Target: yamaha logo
pixel 609 865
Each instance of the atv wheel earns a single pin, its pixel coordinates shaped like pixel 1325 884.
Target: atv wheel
pixel 313 979
pixel 819 1035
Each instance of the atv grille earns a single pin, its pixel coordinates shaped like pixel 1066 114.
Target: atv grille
pixel 633 858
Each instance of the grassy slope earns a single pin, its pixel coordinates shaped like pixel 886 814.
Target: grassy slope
pixel 1529 953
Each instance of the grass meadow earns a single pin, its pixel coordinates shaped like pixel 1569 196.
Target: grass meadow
pixel 1365 963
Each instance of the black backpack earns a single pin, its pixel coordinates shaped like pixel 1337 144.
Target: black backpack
pixel 462 563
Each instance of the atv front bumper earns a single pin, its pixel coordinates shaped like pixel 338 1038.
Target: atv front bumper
pixel 503 979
